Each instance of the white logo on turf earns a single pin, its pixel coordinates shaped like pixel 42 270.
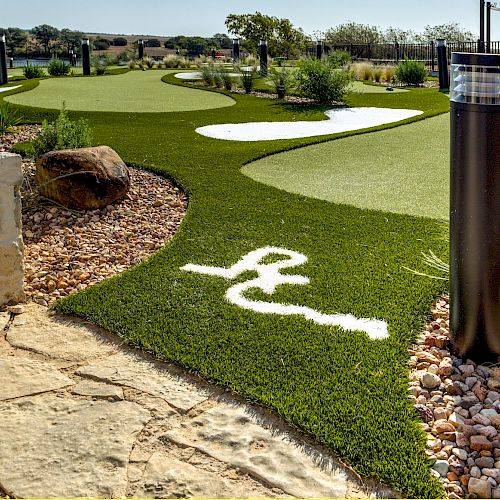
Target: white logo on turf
pixel 269 277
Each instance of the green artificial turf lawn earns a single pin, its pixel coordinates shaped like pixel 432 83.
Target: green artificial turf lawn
pixel 403 170
pixel 134 91
pixel 346 390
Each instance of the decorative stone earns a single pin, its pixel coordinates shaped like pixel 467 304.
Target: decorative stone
pixel 11 241
pixel 153 378
pixel 491 472
pixel 487 462
pixel 430 380
pixel 489 431
pixel 231 435
pixel 82 179
pixel 460 453
pixel 23 377
pixel 73 448
pixel 456 419
pixel 478 443
pixel 441 426
pixel 441 466
pixel 468 401
pixel 479 487
pixel 495 421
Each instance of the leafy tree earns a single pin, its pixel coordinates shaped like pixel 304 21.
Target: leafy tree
pixel 222 40
pixel 354 33
pixel 47 36
pixel 101 44
pixel 452 32
pixel 14 38
pixel 283 38
pixel 152 42
pixel 119 41
pixel 397 35
pixel 70 39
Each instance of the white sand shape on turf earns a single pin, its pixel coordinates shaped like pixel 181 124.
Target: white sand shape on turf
pixel 340 120
pixel 5 89
pixel 196 75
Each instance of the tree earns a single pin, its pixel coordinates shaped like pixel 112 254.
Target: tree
pixel 152 42
pixel 70 39
pixel 119 41
pixel 101 44
pixel 451 32
pixel 354 33
pixel 282 37
pixel 397 35
pixel 221 40
pixel 14 38
pixel 46 36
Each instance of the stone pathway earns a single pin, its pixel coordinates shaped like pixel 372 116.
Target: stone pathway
pixel 85 416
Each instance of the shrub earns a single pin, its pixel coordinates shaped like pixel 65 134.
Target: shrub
pixel 132 64
pixel 389 72
pixel 411 72
pixel 323 82
pixel 101 44
pixel 208 74
pixel 8 118
pixel 246 80
pixel 31 71
pixel 378 73
pixel 57 67
pixel 153 42
pixel 63 133
pixel 227 80
pixel 148 62
pixel 120 41
pixel 363 70
pixel 101 64
pixel 281 80
pixel 339 58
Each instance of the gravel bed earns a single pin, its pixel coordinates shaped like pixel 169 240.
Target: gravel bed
pixel 459 402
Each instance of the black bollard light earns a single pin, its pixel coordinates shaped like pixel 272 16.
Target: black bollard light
pixel 71 57
pixel 319 50
pixel 263 57
pixel 475 205
pixel 442 54
pixel 236 50
pixel 86 57
pixel 213 54
pixel 3 61
pixel 140 46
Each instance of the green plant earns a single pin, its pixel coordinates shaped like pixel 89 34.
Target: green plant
pixel 31 71
pixel 322 82
pixel 132 64
pixel 246 80
pixel 363 70
pixel 173 61
pixel 227 80
pixel 8 118
pixel 389 72
pixel 411 72
pixel 101 64
pixel 378 73
pixel 281 80
pixel 57 67
pixel 148 62
pixel 208 74
pixel 339 58
pixel 63 133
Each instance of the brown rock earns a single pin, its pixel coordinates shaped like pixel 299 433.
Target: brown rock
pixel 495 421
pixel 494 384
pixel 478 443
pixel 442 426
pixel 480 487
pixel 99 177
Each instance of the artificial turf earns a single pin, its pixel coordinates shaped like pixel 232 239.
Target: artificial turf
pixel 346 390
pixel 403 170
pixel 134 91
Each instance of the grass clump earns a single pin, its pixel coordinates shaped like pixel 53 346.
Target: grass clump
pixel 322 82
pixel 363 70
pixel 172 61
pixel 411 72
pixel 63 133
pixel 8 118
pixel 281 80
pixel 57 67
pixel 247 80
pixel 101 64
pixel 31 71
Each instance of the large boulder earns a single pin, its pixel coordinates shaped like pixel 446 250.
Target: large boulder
pixel 82 179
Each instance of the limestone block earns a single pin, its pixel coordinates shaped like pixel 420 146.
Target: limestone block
pixel 11 243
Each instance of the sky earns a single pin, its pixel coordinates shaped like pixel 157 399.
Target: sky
pixel 206 17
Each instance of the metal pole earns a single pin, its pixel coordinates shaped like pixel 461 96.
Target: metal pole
pixel 86 57
pixel 236 50
pixel 263 57
pixel 481 25
pixel 442 52
pixel 488 27
pixel 319 50
pixel 214 54
pixel 474 206
pixel 433 66
pixel 140 47
pixel 3 61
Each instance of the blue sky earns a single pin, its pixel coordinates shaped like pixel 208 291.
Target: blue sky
pixel 206 17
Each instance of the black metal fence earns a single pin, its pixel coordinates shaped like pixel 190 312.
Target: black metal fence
pixel 394 52
pixel 18 62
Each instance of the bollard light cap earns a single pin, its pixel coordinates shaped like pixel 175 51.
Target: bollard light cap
pixel 263 42
pixel 475 78
pixel 3 38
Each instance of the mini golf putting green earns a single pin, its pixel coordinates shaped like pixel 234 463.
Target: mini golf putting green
pixel 132 92
pixel 403 170
pixel 363 88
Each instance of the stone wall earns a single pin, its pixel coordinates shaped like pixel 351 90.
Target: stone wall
pixel 11 240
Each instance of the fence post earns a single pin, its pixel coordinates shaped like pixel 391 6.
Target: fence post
pixel 11 240
pixel 396 46
pixel 3 61
pixel 369 52
pixel 433 65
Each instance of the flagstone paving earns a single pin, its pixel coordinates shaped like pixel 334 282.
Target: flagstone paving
pixel 86 416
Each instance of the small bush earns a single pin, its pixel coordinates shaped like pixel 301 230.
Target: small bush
pixel 208 74
pixel 339 58
pixel 246 80
pixel 227 80
pixel 101 64
pixel 63 133
pixel 8 118
pixel 172 61
pixel 378 73
pixel 57 67
pixel 281 80
pixel 389 72
pixel 132 64
pixel 411 72
pixel 363 70
pixel 322 82
pixel 31 71
pixel 148 62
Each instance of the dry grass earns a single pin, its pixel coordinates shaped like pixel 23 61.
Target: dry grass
pixel 363 70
